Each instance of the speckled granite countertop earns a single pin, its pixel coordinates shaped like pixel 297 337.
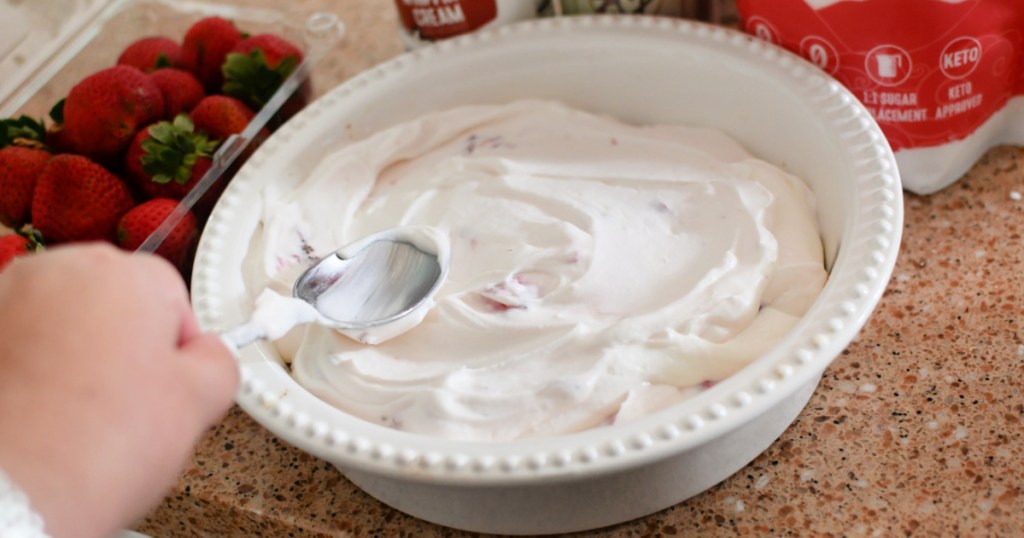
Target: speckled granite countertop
pixel 916 429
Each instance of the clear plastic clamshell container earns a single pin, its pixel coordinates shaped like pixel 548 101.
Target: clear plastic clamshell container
pixel 48 46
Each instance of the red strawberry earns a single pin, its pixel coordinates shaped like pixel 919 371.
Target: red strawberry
pixel 142 220
pixel 220 117
pixel 19 169
pixel 12 246
pixel 151 53
pixel 180 89
pixel 165 160
pixel 78 200
pixel 18 244
pixel 274 51
pixel 103 111
pixel 206 44
pixel 257 66
pixel 58 140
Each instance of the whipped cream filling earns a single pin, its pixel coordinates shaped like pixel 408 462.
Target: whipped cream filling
pixel 599 271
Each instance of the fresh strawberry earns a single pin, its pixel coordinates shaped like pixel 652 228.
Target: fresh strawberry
pixel 103 111
pixel 165 160
pixel 18 244
pixel 151 53
pixel 206 44
pixel 257 66
pixel 58 140
pixel 12 246
pixel 272 51
pixel 76 199
pixel 19 169
pixel 142 220
pixel 180 89
pixel 220 116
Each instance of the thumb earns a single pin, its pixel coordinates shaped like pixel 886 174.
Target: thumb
pixel 213 369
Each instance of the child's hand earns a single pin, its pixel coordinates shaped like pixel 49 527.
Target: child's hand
pixel 105 384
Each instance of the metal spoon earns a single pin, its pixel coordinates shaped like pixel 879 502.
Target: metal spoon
pixel 386 279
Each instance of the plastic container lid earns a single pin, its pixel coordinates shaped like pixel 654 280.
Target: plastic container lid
pixel 47 46
pixel 35 32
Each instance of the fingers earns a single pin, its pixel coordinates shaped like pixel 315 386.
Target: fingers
pixel 213 371
pixel 209 367
pixel 149 291
pixel 207 361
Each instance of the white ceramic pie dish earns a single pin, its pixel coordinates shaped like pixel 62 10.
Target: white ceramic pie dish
pixel 641 70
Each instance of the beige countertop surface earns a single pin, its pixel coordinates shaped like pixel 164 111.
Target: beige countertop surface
pixel 915 429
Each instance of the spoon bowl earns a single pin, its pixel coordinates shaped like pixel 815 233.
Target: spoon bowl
pixel 371 290
pixel 383 281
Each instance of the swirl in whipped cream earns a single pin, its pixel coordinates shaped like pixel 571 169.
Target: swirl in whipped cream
pixel 599 271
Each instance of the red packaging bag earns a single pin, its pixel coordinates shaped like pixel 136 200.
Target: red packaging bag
pixel 943 78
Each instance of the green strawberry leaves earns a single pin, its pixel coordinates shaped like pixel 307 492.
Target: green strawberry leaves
pixel 22 131
pixel 173 148
pixel 162 62
pixel 27 131
pixel 248 78
pixel 34 238
pixel 57 112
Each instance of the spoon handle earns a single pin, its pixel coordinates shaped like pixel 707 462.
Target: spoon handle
pixel 243 335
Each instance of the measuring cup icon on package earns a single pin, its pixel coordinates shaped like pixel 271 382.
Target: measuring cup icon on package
pixel 888 65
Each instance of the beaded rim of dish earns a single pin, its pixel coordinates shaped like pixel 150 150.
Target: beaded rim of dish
pixel 879 221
